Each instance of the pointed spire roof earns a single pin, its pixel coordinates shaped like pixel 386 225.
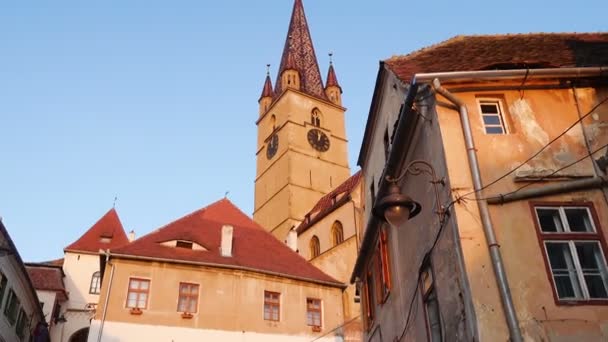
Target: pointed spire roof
pixel 267 90
pixel 332 80
pixel 299 54
pixel 106 233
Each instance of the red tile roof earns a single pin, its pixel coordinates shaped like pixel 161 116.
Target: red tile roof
pixel 330 202
pixel 512 51
pixel 299 54
pixel 267 90
pixel 253 247
pixel 332 80
pixel 108 226
pixel 47 278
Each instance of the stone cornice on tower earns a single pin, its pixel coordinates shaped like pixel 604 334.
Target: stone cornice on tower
pixel 299 55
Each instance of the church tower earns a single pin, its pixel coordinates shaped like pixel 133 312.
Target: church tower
pixel 301 148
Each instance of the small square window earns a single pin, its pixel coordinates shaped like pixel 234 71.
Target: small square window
pixel 492 116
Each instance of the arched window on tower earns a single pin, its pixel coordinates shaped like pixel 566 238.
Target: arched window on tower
pixel 315 247
pixel 95 283
pixel 337 233
pixel 315 117
pixel 273 122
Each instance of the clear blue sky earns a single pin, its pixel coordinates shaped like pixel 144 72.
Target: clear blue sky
pixel 156 101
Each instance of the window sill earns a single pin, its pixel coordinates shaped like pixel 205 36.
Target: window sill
pixel 574 302
pixel 187 315
pixel 316 328
pixel 135 311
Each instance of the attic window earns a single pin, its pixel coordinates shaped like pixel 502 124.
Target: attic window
pixel 183 244
pixel 105 239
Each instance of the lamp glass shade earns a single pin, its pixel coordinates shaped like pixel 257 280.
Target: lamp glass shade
pixel 396 215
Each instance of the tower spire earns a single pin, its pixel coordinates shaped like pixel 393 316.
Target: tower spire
pixel 332 87
pixel 267 94
pixel 299 55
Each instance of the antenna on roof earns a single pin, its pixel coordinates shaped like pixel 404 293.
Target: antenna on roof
pixel 115 199
pixel 226 194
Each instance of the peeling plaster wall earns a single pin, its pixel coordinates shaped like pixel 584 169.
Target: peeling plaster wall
pixel 533 120
pixel 409 244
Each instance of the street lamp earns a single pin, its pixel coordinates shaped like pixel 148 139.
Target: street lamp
pixel 395 207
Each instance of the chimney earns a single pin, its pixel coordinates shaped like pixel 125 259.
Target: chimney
pixel 292 240
pixel 226 247
pixel 131 236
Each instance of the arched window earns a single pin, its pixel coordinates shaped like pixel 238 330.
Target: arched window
pixel 273 122
pixel 315 117
pixel 315 248
pixel 95 284
pixel 337 233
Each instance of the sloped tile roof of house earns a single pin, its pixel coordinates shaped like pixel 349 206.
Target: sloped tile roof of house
pixel 253 248
pixel 511 51
pixel 105 233
pixel 330 202
pixel 47 278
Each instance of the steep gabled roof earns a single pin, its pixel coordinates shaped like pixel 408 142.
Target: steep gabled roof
pixel 510 51
pixel 108 228
pixel 253 247
pixel 299 54
pixel 330 202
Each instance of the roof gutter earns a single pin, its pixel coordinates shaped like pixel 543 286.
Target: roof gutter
pixel 232 267
pixel 578 72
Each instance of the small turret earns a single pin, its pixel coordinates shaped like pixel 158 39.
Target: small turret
pixel 290 78
pixel 332 87
pixel 266 98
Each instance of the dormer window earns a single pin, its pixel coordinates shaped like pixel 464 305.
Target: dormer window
pixel 105 239
pixel 183 244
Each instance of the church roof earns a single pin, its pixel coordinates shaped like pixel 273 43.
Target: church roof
pixel 254 248
pixel 330 202
pixel 505 51
pixel 332 80
pixel 267 90
pixel 105 233
pixel 299 54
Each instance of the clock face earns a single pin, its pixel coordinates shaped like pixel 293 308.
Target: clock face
pixel 273 146
pixel 318 140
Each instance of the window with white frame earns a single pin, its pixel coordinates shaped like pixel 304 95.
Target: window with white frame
pixel 95 283
pixel 573 251
pixel 492 116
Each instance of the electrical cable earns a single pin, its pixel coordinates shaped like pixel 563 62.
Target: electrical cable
pixel 590 154
pixel 581 118
pixel 336 328
pixel 427 254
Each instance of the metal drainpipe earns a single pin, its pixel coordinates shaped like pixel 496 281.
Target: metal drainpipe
pixel 494 247
pixel 105 305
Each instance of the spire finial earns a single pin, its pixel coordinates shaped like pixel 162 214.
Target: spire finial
pixel 115 199
pixel 267 69
pixel 331 59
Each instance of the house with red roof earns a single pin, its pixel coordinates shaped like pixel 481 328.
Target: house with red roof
pixel 486 199
pixel 47 279
pixel 71 286
pixel 214 275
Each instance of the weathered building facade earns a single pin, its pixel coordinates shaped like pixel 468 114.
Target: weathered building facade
pixel 215 275
pixel 21 317
pixel 502 141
